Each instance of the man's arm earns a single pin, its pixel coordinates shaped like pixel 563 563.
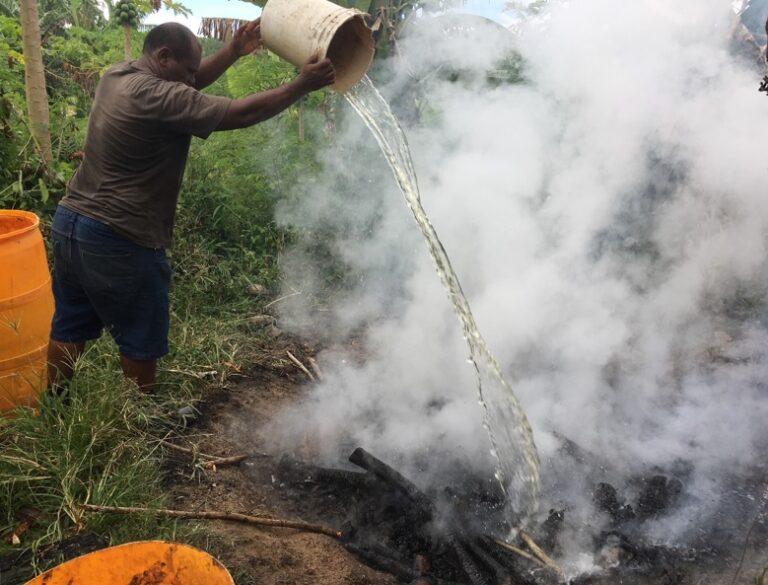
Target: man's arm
pixel 246 40
pixel 255 108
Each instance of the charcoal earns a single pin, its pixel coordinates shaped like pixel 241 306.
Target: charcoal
pixel 658 494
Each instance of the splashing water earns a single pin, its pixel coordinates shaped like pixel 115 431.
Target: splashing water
pixel 510 433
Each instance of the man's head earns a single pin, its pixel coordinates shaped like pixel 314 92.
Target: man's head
pixel 174 52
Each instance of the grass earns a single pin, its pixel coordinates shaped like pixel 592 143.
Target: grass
pixel 103 445
pixel 95 448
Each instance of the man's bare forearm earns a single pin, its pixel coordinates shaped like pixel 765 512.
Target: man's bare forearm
pixel 264 105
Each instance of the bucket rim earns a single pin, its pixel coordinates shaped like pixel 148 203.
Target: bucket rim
pixel 33 224
pixel 358 17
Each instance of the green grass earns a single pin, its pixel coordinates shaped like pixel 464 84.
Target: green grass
pixel 103 445
pixel 83 451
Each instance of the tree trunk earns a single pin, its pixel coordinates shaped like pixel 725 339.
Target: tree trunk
pixel 34 79
pixel 127 42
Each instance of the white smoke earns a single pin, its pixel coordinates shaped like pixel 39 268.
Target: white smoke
pixel 607 219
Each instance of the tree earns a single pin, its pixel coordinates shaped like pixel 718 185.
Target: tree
pixel 34 80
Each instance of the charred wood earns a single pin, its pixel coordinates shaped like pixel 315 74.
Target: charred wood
pixel 551 529
pixel 606 498
pixel 478 549
pixel 473 572
pixel 658 494
pixel 385 473
pixel 297 472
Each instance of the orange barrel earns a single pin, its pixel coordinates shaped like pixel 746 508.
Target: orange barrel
pixel 26 309
pixel 145 563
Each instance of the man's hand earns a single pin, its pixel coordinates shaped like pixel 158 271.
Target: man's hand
pixel 247 38
pixel 316 74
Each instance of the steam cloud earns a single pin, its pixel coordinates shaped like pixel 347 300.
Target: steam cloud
pixel 608 222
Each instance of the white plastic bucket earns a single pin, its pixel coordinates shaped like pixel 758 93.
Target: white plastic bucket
pixel 296 29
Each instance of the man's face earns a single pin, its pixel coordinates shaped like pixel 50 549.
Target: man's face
pixel 181 68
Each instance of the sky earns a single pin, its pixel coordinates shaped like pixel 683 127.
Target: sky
pixel 205 8
pixel 246 11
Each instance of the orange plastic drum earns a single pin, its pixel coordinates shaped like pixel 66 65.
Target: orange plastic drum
pixel 139 563
pixel 26 308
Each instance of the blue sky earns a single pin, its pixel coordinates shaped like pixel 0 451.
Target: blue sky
pixel 246 11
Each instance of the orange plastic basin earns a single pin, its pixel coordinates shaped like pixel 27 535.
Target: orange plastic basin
pixel 26 309
pixel 139 563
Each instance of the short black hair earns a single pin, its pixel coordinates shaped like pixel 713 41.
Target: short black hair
pixel 177 37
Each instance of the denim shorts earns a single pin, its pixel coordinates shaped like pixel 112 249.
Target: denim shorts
pixel 102 280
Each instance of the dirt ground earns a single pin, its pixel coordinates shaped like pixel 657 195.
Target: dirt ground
pixel 228 425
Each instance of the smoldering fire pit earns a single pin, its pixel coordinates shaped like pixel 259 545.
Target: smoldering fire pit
pixel 456 534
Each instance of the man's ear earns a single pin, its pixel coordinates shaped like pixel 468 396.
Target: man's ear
pixel 163 55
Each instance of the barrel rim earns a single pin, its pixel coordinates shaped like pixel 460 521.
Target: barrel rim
pixel 35 224
pixel 224 575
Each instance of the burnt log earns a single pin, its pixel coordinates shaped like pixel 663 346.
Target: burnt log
pixel 386 474
pixel 473 572
pixel 479 550
pixel 606 498
pixel 551 529
pixel 295 472
pixel 659 493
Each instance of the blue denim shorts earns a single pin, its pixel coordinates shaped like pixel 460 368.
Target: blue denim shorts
pixel 102 280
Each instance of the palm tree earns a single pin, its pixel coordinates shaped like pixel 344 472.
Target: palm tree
pixel 34 79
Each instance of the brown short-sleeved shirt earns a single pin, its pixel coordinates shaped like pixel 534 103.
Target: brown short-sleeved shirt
pixel 136 148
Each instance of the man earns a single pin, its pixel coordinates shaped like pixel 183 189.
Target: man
pixel 111 228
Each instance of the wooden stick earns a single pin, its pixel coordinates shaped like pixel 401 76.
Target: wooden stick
pixel 213 463
pixel 288 296
pixel 301 366
pixel 231 516
pixel 213 459
pixel 180 449
pixel 540 554
pixel 315 368
pixel 518 551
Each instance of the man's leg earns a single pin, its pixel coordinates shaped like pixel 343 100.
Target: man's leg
pixel 74 318
pixel 140 371
pixel 61 361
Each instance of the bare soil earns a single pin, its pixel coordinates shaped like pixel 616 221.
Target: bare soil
pixel 229 424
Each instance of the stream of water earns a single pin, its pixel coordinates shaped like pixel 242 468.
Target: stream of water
pixel 510 433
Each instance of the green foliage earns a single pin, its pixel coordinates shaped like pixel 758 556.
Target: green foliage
pixel 258 73
pixel 73 57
